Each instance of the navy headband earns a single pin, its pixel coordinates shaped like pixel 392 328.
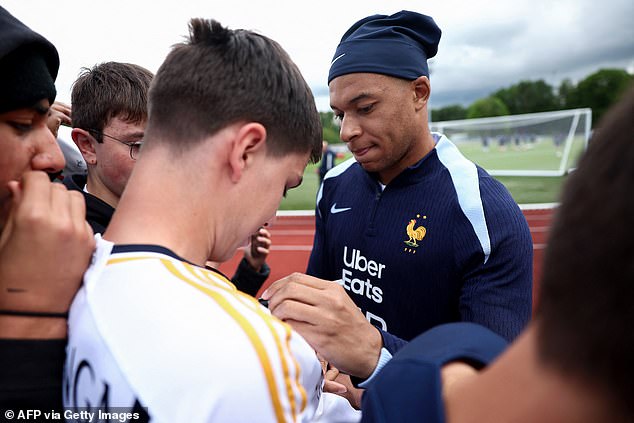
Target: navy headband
pixel 397 45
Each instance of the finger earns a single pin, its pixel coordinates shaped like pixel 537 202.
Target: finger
pixel 262 250
pixel 263 241
pixel 65 120
pixel 331 373
pixel 334 387
pixel 308 320
pixel 264 232
pixel 295 293
pixel 274 287
pixel 60 203
pixel 61 107
pixel 36 188
pixel 15 190
pixel 78 211
pixel 295 278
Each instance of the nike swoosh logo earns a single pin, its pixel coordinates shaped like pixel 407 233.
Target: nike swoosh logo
pixel 337 58
pixel 335 210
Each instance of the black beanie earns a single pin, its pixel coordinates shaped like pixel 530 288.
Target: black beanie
pixel 28 65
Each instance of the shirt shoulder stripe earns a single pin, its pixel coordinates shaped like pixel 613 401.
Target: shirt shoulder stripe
pixel 335 171
pixel 253 337
pixel 464 175
pixel 209 277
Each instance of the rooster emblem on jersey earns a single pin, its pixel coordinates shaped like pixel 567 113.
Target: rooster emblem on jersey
pixel 415 233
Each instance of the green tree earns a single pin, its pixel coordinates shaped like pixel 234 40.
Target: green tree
pixel 330 128
pixel 601 90
pixel 528 97
pixel 487 107
pixel 567 95
pixel 453 112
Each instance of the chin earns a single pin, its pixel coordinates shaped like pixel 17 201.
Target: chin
pixel 370 166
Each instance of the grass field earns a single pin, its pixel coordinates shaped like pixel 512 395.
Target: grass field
pixel 524 189
pixel 540 155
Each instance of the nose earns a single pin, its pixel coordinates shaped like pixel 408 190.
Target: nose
pixel 48 155
pixel 349 130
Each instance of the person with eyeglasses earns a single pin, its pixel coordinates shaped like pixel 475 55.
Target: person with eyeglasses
pixel 109 113
pixel 134 146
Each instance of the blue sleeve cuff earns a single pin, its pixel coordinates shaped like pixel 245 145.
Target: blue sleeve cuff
pixel 391 344
pixel 384 357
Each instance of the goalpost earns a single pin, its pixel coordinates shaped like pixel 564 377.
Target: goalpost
pixel 533 144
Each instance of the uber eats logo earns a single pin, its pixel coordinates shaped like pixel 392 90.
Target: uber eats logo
pixel 357 273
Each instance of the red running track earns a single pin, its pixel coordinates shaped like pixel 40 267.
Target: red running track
pixel 292 237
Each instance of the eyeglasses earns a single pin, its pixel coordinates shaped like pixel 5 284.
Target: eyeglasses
pixel 135 146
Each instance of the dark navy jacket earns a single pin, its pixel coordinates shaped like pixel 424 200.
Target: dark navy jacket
pixel 442 242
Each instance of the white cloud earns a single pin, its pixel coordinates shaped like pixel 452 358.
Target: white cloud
pixel 486 44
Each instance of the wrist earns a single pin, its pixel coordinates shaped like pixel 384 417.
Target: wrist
pixel 374 346
pixel 256 267
pixel 37 304
pixel 32 327
pixel 384 358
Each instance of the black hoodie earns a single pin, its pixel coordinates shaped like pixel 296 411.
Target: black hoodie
pixel 98 212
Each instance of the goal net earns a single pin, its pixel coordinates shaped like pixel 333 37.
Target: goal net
pixel 533 144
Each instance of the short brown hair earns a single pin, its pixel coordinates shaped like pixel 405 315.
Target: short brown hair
pixel 110 90
pixel 586 309
pixel 219 77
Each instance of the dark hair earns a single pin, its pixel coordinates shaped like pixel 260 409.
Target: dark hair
pixel 586 309
pixel 219 77
pixel 110 90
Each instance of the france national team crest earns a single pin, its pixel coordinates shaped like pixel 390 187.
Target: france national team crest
pixel 415 233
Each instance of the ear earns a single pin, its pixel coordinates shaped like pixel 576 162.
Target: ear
pixel 422 90
pixel 249 140
pixel 86 144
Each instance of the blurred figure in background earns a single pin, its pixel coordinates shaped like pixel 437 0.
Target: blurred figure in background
pixel 327 162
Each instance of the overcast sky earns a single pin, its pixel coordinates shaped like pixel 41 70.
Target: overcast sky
pixel 486 44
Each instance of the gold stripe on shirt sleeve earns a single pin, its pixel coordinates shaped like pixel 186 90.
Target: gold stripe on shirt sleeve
pixel 248 329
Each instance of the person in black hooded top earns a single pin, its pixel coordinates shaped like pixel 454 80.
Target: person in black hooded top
pixel 45 243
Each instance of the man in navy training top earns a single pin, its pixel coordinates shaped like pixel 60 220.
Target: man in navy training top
pixel 553 372
pixel 412 231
